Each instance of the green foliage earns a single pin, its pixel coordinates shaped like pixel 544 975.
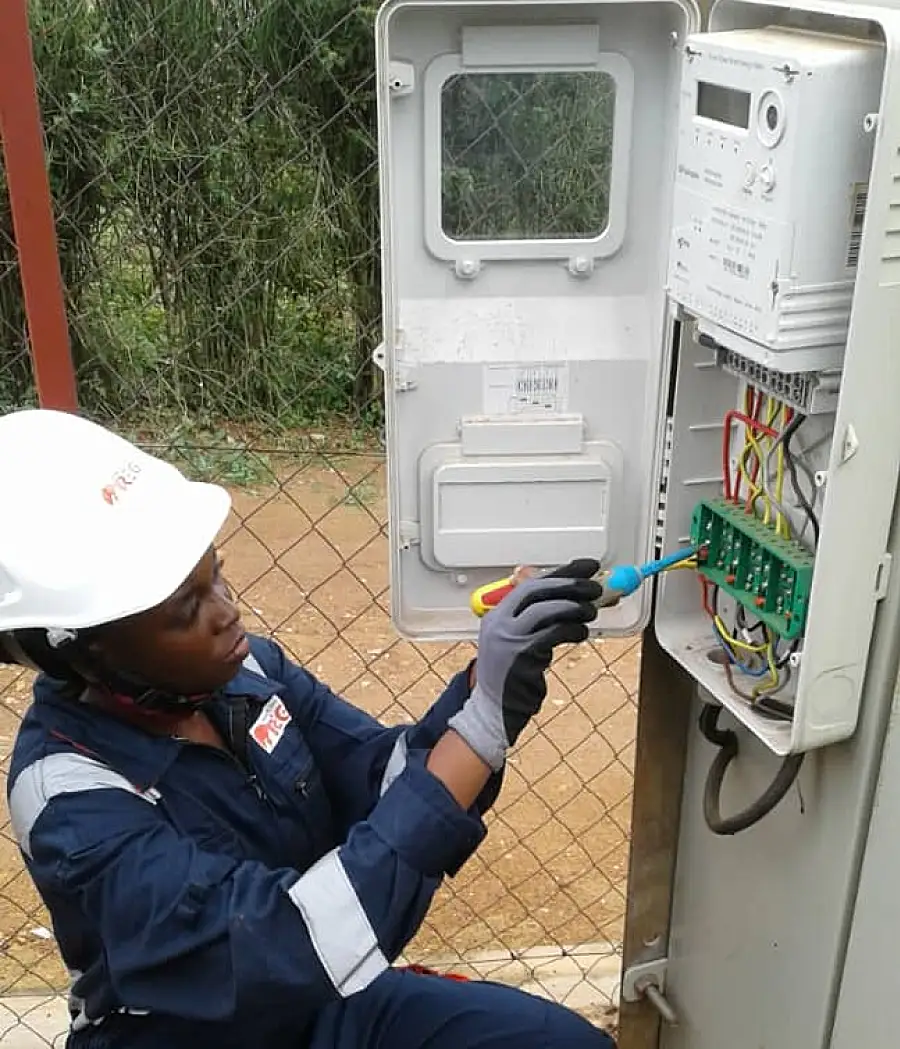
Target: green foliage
pixel 210 453
pixel 214 171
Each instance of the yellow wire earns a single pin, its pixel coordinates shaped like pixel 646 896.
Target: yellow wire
pixel 744 646
pixel 761 448
pixel 691 564
pixel 756 491
pixel 775 677
pixel 752 445
pixel 767 651
pixel 779 411
pixel 774 409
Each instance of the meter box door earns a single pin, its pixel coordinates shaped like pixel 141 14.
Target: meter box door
pixel 525 159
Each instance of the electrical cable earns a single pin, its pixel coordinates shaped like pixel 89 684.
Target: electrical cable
pixel 791 462
pixel 742 624
pixel 766 461
pixel 786 658
pixel 753 408
pixel 727 742
pixel 731 418
pixel 764 703
pixel 777 500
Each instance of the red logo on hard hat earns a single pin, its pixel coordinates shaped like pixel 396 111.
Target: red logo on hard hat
pixel 122 481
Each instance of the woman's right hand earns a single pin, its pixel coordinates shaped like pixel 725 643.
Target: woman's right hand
pixel 515 649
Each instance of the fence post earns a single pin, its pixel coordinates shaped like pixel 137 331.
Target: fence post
pixel 32 212
pixel 665 696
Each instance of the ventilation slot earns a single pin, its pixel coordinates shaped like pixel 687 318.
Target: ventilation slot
pixel 890 251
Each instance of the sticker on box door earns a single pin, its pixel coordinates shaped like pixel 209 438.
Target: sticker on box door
pixel 526 389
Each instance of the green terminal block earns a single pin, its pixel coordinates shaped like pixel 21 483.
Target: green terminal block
pixel 770 576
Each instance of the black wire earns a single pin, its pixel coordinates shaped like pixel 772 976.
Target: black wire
pixel 790 430
pixel 786 658
pixel 775 708
pixel 727 742
pixel 744 625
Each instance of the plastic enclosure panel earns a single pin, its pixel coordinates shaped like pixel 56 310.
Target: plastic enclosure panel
pixel 526 327
pixel 859 465
pixel 486 508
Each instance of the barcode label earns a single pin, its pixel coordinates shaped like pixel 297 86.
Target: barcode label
pixel 857 220
pixel 514 389
pixel 738 269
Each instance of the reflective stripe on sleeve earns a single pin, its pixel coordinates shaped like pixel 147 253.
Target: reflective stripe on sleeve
pixel 56 774
pixel 340 931
pixel 396 763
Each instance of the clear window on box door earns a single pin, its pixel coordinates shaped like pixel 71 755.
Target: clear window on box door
pixel 527 155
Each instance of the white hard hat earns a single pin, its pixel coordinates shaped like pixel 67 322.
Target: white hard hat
pixel 92 529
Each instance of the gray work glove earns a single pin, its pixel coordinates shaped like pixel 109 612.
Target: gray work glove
pixel 515 648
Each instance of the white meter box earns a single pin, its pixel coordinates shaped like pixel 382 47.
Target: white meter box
pixel 584 206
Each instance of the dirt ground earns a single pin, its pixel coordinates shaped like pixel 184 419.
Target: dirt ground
pixel 309 558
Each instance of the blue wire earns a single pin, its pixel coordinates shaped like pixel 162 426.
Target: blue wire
pixel 735 661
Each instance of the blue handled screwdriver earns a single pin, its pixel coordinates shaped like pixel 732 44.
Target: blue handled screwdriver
pixel 618 582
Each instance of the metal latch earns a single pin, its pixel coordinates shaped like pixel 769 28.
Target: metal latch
pixel 648 982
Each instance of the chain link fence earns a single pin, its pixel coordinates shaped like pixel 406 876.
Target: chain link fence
pixel 214 171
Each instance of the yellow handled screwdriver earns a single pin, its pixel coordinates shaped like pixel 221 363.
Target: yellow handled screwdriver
pixel 617 582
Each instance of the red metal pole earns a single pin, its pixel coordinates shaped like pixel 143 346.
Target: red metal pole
pixel 32 212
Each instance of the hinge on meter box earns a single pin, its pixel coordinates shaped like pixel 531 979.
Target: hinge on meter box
pixel 404 374
pixel 646 981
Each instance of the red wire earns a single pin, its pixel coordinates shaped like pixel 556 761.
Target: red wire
pixel 752 407
pixel 788 415
pixel 704 586
pixel 754 458
pixel 731 418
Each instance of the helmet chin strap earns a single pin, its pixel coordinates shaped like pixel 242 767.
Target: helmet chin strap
pixel 134 700
pixel 64 654
pixel 159 720
pixel 135 692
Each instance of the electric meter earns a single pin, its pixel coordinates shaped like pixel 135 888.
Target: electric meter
pixel 773 162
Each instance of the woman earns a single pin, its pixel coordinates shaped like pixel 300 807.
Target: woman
pixel 232 856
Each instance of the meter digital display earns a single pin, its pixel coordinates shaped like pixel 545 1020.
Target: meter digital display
pixel 724 105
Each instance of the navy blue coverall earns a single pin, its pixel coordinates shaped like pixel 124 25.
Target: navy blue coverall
pixel 201 900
